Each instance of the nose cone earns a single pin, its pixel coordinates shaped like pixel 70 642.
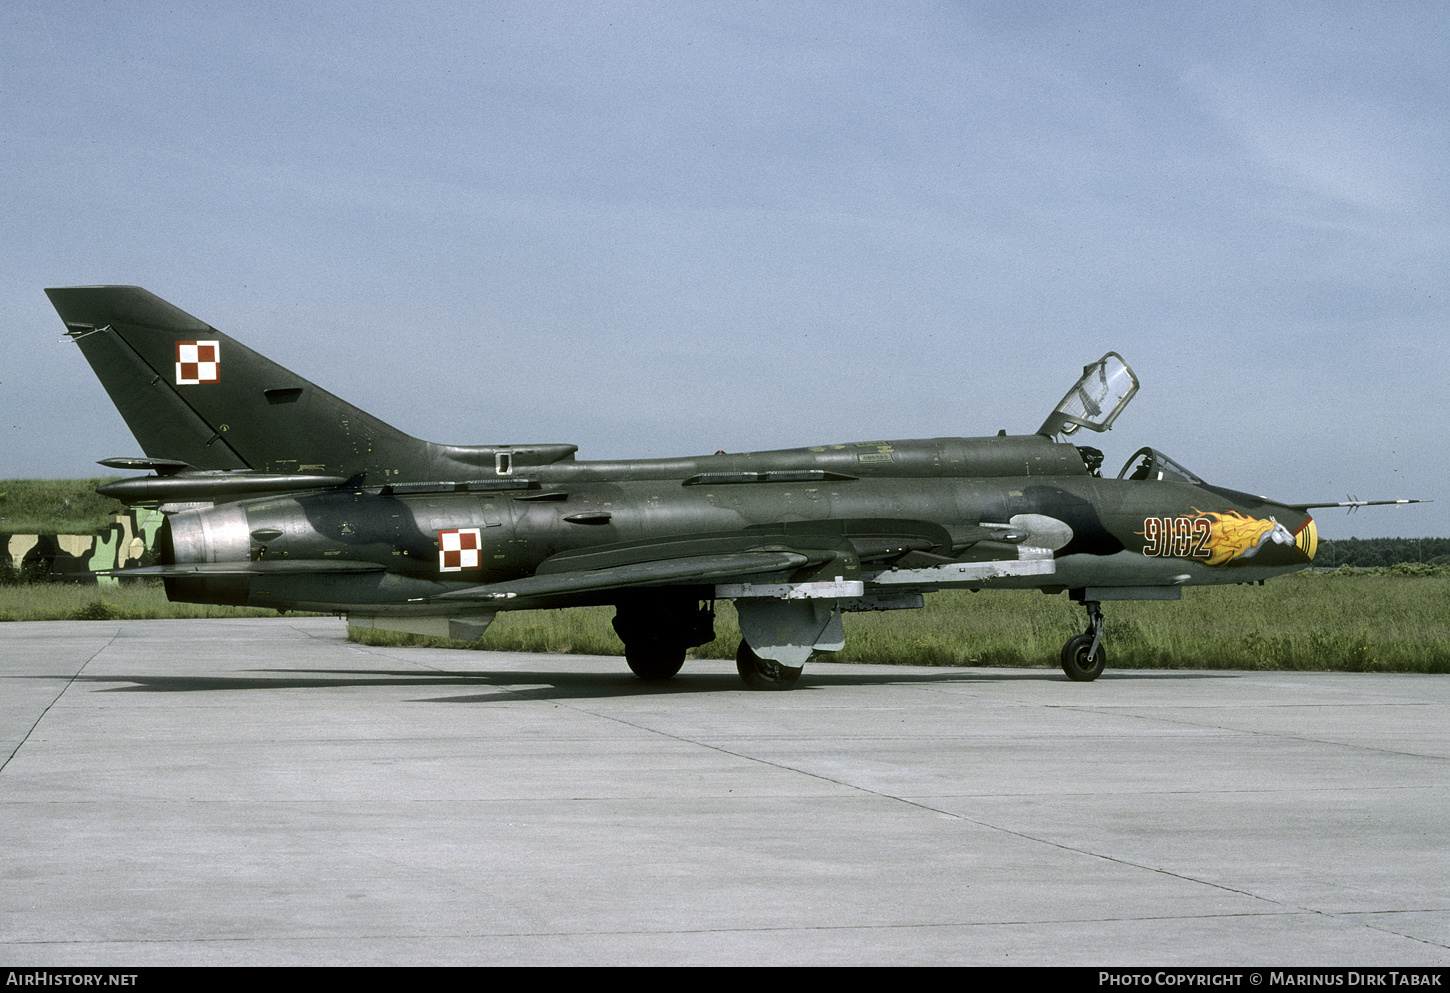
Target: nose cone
pixel 1306 539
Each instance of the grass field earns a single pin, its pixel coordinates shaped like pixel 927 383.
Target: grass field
pixel 54 506
pixel 1360 622
pixel 88 602
pixel 1306 621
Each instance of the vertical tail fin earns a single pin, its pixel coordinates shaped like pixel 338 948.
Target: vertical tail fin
pixel 189 392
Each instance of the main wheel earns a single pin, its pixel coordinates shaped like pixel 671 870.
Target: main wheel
pixel 654 661
pixel 1075 661
pixel 763 674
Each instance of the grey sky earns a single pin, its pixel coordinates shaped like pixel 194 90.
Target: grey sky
pixel 663 229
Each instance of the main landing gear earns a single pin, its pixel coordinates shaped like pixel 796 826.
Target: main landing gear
pixel 658 632
pixel 1084 656
pixel 655 661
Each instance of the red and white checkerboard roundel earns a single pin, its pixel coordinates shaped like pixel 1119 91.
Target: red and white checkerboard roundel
pixel 459 549
pixel 198 362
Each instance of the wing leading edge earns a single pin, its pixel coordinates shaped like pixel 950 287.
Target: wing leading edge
pixel 810 558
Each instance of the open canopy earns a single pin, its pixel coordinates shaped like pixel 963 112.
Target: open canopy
pixel 1095 400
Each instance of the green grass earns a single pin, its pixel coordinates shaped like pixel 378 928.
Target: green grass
pixel 54 506
pixel 90 602
pixel 1307 621
pixel 1384 620
pixel 1302 622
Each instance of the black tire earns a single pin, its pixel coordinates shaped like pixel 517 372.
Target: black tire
pixel 1075 661
pixel 763 674
pixel 655 662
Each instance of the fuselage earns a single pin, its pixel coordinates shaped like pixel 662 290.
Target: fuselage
pixel 1138 533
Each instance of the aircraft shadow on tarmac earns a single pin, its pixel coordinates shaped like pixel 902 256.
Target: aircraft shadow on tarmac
pixel 551 684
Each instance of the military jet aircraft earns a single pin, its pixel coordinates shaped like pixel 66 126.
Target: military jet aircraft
pixel 279 494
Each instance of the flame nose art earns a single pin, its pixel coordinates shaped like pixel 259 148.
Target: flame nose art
pixel 1306 539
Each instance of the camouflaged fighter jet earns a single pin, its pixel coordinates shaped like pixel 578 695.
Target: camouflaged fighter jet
pixel 281 495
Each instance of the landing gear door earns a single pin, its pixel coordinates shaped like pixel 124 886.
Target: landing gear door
pixel 1096 400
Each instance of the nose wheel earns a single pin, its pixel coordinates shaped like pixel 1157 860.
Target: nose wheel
pixel 1084 656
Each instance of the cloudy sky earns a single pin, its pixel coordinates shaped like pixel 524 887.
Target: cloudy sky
pixel 658 229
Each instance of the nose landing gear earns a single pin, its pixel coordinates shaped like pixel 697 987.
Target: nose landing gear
pixel 1084 656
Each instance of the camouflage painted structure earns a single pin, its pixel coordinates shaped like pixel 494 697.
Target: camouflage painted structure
pixel 127 542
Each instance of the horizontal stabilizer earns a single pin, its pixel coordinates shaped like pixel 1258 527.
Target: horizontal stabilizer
pixel 272 567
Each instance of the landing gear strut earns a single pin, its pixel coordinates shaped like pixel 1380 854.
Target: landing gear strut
pixel 1084 656
pixel 657 633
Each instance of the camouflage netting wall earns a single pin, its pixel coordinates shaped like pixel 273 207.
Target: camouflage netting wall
pixel 76 558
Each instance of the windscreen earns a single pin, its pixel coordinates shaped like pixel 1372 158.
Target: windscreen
pixel 1151 464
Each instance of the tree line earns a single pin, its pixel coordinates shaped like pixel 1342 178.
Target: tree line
pixel 1368 553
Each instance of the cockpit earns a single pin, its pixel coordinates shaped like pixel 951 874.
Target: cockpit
pixel 1094 402
pixel 1151 464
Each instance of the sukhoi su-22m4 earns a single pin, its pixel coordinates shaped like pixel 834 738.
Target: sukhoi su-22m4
pixel 279 494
